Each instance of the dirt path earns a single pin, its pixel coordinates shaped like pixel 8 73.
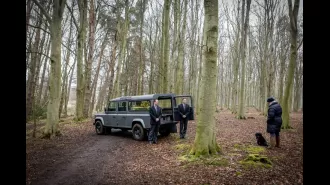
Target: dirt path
pixel 82 157
pixel 88 163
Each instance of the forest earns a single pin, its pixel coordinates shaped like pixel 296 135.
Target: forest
pixel 229 55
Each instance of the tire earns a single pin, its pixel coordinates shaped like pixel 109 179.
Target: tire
pixel 138 132
pixel 107 130
pixel 164 132
pixel 99 128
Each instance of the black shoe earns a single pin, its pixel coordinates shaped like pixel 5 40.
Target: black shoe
pixel 155 142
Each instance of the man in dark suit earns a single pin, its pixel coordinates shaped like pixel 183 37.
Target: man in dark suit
pixel 184 110
pixel 155 115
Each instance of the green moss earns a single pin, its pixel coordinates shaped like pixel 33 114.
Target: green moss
pixel 238 173
pixel 251 149
pixel 234 154
pixel 238 146
pixel 216 161
pixel 182 146
pixel 188 158
pixel 255 149
pixel 256 160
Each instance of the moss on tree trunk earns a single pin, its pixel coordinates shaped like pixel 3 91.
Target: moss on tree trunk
pixel 205 139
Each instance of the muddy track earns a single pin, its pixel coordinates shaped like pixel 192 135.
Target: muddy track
pixel 89 162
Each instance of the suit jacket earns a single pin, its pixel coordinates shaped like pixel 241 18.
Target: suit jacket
pixel 184 111
pixel 155 114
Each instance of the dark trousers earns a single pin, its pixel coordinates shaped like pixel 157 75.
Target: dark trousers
pixel 183 127
pixel 153 132
pixel 277 134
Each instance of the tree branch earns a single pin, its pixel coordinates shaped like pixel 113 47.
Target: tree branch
pixel 74 19
pixel 68 48
pixel 38 53
pixel 39 28
pixel 49 19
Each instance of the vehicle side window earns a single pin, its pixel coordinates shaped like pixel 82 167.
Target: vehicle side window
pixel 122 106
pixel 138 106
pixel 112 106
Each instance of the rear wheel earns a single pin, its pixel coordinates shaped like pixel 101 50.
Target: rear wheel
pixel 138 132
pixel 99 128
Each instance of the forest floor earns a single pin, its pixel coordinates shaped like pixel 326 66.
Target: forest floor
pixel 80 156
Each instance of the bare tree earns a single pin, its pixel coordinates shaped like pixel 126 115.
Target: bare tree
pixel 51 127
pixel 293 14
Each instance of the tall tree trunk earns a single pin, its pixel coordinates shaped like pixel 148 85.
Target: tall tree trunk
pixel 82 4
pixel 179 86
pixel 200 73
pixel 293 14
pixel 166 46
pixel 28 55
pixel 43 74
pixel 152 59
pixel 161 57
pixel 103 89
pixel 236 65
pixel 241 112
pixel 51 127
pixel 102 93
pixel 141 53
pixel 123 36
pixel 281 77
pixel 205 142
pixel 31 83
pixel 38 67
pixel 67 94
pixel 89 63
pixel 65 75
pixel 94 83
pixel 112 72
pixel 29 6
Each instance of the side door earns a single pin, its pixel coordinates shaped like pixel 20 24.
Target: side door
pixel 111 114
pixel 177 101
pixel 122 114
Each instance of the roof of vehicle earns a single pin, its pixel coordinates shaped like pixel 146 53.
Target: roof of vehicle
pixel 143 97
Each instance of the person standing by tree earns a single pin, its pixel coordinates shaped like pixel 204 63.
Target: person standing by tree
pixel 184 110
pixel 274 121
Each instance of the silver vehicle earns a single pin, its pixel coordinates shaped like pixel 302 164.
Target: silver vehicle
pixel 132 113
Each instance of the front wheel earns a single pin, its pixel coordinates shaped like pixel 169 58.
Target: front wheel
pixel 138 132
pixel 99 128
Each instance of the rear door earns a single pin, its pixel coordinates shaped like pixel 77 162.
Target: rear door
pixel 122 115
pixel 177 101
pixel 111 111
